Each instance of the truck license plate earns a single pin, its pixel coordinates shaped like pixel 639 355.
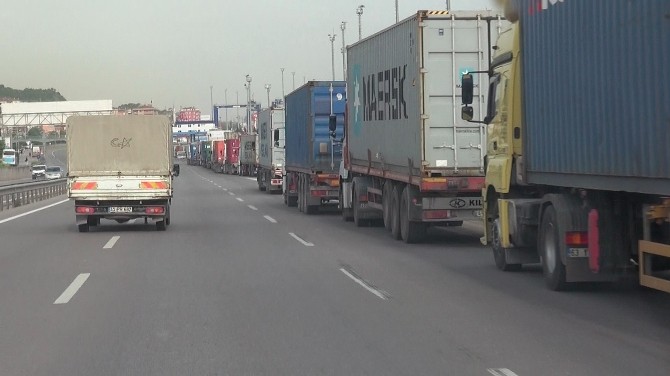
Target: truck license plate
pixel 578 252
pixel 120 209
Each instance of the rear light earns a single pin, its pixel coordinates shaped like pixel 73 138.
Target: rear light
pixel 154 210
pixel 577 238
pixel 436 214
pixel 594 242
pixel 319 193
pixel 81 185
pixel 84 210
pixel 363 198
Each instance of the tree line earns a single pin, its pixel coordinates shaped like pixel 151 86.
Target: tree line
pixel 31 95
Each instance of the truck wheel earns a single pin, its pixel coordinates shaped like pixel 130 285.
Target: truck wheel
pixel 160 226
pixel 549 248
pixel 499 251
pixel 301 197
pixel 386 205
pixel 358 221
pixel 395 213
pixel 83 227
pixel 346 212
pixel 411 232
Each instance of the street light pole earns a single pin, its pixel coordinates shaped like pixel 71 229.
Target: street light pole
pixel 211 105
pixel 225 99
pixel 332 52
pixel 397 16
pixel 248 103
pixel 343 26
pixel 283 94
pixel 359 12
pixel 293 73
pixel 267 87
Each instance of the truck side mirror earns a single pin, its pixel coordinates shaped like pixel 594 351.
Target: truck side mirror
pixel 467 113
pixel 275 137
pixel 332 123
pixel 467 85
pixel 175 170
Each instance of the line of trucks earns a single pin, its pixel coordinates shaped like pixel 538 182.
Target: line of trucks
pixel 547 123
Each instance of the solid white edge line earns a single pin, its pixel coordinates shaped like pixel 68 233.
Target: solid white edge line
pixel 301 240
pixel 501 372
pixel 270 218
pixel 111 242
pixel 32 211
pixel 252 207
pixel 365 286
pixel 239 199
pixel 72 289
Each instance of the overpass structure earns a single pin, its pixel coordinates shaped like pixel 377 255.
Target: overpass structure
pixel 17 117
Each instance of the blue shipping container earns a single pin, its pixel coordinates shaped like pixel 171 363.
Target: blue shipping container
pixel 596 81
pixel 308 145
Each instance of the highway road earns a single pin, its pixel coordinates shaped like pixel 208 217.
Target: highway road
pixel 55 155
pixel 239 284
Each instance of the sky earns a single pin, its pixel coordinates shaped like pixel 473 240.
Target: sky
pixel 170 52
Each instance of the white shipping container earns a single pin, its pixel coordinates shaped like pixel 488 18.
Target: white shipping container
pixel 403 85
pixel 248 149
pixel 271 153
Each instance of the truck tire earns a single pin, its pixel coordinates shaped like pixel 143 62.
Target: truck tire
pixel 395 213
pixel 386 204
pixel 499 253
pixel 549 248
pixel 411 232
pixel 347 216
pixel 83 227
pixel 301 197
pixel 160 226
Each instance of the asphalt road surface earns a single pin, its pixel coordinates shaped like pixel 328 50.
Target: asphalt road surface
pixel 239 284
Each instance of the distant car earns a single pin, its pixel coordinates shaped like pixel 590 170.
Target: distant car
pixel 54 172
pixel 38 171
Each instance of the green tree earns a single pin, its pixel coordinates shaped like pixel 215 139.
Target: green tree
pixel 35 132
pixel 31 95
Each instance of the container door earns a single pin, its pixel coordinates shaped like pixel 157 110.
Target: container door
pixel 450 48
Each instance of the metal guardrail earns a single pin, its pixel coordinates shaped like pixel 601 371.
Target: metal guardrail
pixel 12 196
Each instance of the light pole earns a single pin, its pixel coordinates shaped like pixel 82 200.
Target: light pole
pixel 359 12
pixel 448 5
pixel 332 52
pixel 293 73
pixel 267 87
pixel 343 26
pixel 397 16
pixel 225 100
pixel 248 103
pixel 282 85
pixel 211 105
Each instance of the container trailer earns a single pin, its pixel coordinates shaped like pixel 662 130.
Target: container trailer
pixel 271 150
pixel 231 163
pixel 312 158
pixel 409 160
pixel 248 154
pixel 578 164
